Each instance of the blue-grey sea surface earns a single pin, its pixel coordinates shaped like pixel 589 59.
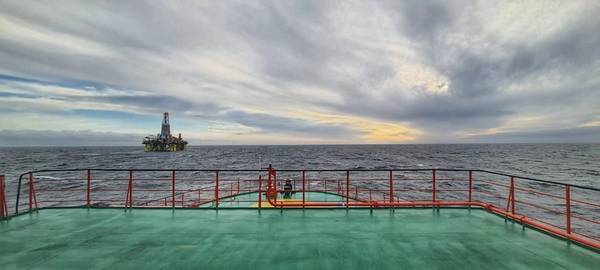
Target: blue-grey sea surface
pixel 569 163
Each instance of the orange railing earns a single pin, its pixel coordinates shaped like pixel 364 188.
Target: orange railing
pixel 565 210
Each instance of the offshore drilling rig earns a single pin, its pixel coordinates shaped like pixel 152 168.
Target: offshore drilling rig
pixel 164 142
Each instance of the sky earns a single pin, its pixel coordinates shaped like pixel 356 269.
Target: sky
pixel 299 72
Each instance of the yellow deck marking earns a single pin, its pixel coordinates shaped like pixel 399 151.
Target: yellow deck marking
pixel 266 204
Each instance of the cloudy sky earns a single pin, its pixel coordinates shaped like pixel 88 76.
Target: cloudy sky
pixel 295 72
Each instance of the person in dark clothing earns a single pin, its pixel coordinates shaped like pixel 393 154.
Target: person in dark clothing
pixel 287 189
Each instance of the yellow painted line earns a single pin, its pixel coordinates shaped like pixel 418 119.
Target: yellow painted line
pixel 266 204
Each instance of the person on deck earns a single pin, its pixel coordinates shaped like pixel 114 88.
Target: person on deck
pixel 287 189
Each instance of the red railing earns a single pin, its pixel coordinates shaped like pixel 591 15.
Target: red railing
pixel 3 205
pixel 568 211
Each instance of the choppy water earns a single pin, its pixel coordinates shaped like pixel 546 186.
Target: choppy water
pixel 571 163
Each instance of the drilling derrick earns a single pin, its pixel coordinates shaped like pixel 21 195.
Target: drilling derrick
pixel 164 141
pixel 165 131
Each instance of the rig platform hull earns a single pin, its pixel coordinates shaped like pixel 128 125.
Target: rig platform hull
pixel 164 141
pixel 154 146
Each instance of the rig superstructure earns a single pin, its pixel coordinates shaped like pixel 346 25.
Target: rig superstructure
pixel 164 142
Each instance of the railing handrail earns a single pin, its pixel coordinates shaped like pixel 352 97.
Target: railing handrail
pixel 295 170
pixel 300 170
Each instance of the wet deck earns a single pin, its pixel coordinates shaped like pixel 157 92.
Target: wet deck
pixel 294 239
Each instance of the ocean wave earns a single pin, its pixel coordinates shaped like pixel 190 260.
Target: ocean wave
pixel 47 177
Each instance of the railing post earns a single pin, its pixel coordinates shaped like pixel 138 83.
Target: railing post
pixel 216 189
pixel 259 192
pixel 89 187
pixel 470 187
pixel 370 202
pixel 303 186
pixel 568 206
pixel 347 188
pixel 30 191
pixel 238 186
pixel 510 199
pixel 512 186
pixel 173 188
pixel 391 188
pixel 130 190
pixel 18 194
pixel 32 195
pixel 433 198
pixel 3 206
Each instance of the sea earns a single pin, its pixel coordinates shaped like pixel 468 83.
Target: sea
pixel 569 163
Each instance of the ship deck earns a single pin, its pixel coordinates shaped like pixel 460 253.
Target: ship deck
pixel 79 238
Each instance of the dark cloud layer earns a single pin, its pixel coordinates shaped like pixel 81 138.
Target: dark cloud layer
pixel 571 135
pixel 276 124
pixel 9 138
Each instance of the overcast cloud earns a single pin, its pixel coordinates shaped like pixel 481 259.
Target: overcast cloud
pixel 288 72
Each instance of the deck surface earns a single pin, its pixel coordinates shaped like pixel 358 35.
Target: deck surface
pixel 296 239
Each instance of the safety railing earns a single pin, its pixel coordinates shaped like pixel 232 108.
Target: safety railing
pixel 565 210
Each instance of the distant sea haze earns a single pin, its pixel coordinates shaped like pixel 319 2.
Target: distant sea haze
pixel 571 163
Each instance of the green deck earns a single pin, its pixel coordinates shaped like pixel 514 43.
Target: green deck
pixel 294 239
